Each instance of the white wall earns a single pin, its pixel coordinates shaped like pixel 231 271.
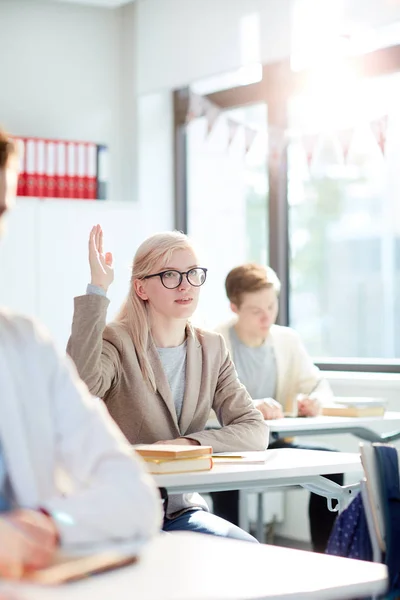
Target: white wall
pixel 61 75
pixel 181 41
pixel 44 256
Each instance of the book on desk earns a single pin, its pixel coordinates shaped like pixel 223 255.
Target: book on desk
pixel 66 567
pixel 355 407
pixel 171 458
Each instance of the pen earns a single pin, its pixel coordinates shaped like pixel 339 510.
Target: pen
pixel 225 457
pixel 314 388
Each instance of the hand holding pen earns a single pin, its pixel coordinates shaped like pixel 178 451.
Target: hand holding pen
pixel 308 406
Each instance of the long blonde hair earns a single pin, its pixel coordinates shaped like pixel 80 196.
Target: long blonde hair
pixel 155 252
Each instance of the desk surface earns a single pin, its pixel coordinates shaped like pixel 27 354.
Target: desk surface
pixel 323 424
pixel 283 465
pixel 191 566
pixel 313 424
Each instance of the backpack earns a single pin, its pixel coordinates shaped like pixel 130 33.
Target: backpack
pixel 350 535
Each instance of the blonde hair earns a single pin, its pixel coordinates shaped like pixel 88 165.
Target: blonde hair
pixel 154 253
pixel 250 278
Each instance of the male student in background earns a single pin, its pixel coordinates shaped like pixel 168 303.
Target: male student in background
pixel 274 366
pixel 51 426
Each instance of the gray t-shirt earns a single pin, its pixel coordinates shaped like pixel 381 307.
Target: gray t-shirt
pixel 173 361
pixel 256 367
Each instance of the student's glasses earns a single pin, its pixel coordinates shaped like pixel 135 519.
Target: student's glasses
pixel 172 279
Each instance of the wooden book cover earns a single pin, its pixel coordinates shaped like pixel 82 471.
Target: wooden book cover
pixel 171 451
pixel 185 465
pixel 65 569
pixel 341 410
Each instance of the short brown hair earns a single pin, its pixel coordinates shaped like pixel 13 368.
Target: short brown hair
pixel 250 278
pixel 8 149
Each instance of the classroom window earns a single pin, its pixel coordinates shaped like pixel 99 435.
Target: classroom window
pixel 344 220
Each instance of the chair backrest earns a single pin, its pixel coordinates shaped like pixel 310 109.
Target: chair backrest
pixel 382 486
pixel 372 497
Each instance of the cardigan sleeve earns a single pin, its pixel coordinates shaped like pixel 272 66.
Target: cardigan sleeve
pixel 95 349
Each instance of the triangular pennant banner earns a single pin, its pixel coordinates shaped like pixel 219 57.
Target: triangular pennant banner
pixel 310 142
pixel 276 144
pixel 212 113
pixel 196 107
pixel 233 127
pixel 345 137
pixel 249 137
pixel 379 129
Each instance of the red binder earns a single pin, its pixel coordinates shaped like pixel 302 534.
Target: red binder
pixel 50 176
pixel 81 170
pixel 40 168
pixel 31 175
pixel 90 181
pixel 71 170
pixel 61 171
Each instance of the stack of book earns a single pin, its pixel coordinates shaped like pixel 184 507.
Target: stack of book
pixel 170 458
pixel 356 407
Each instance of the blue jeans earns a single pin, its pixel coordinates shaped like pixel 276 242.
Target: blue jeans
pixel 201 521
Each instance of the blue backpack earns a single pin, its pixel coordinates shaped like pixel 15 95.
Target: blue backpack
pixel 350 535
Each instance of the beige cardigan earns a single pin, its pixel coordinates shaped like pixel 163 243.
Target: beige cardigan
pixel 107 361
pixel 296 372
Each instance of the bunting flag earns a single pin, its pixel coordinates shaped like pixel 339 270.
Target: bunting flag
pixel 277 143
pixel 196 107
pixel 249 137
pixel 212 113
pixel 345 137
pixel 310 142
pixel 233 127
pixel 379 130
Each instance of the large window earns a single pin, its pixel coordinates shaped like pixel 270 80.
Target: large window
pixel 331 202
pixel 344 221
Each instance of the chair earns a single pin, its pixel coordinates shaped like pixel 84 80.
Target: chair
pixel 382 508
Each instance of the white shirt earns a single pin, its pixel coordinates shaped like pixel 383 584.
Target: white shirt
pixel 63 451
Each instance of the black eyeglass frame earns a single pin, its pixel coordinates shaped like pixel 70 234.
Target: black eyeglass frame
pixel 181 274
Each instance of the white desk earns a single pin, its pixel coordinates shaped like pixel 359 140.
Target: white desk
pixel 283 467
pixel 361 427
pixel 191 566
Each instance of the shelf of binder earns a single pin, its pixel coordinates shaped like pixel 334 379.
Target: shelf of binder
pixel 62 169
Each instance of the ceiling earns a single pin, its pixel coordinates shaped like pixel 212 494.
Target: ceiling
pixel 103 3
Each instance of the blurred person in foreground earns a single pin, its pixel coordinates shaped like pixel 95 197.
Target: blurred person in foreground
pixel 67 475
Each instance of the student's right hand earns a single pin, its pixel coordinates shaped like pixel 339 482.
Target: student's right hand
pixel 27 542
pixel 269 408
pixel 101 265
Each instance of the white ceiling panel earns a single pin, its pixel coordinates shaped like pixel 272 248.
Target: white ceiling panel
pixel 103 3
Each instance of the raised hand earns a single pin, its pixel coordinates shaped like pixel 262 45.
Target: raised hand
pixel 101 265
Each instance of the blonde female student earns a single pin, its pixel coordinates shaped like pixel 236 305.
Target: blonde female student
pixel 158 375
